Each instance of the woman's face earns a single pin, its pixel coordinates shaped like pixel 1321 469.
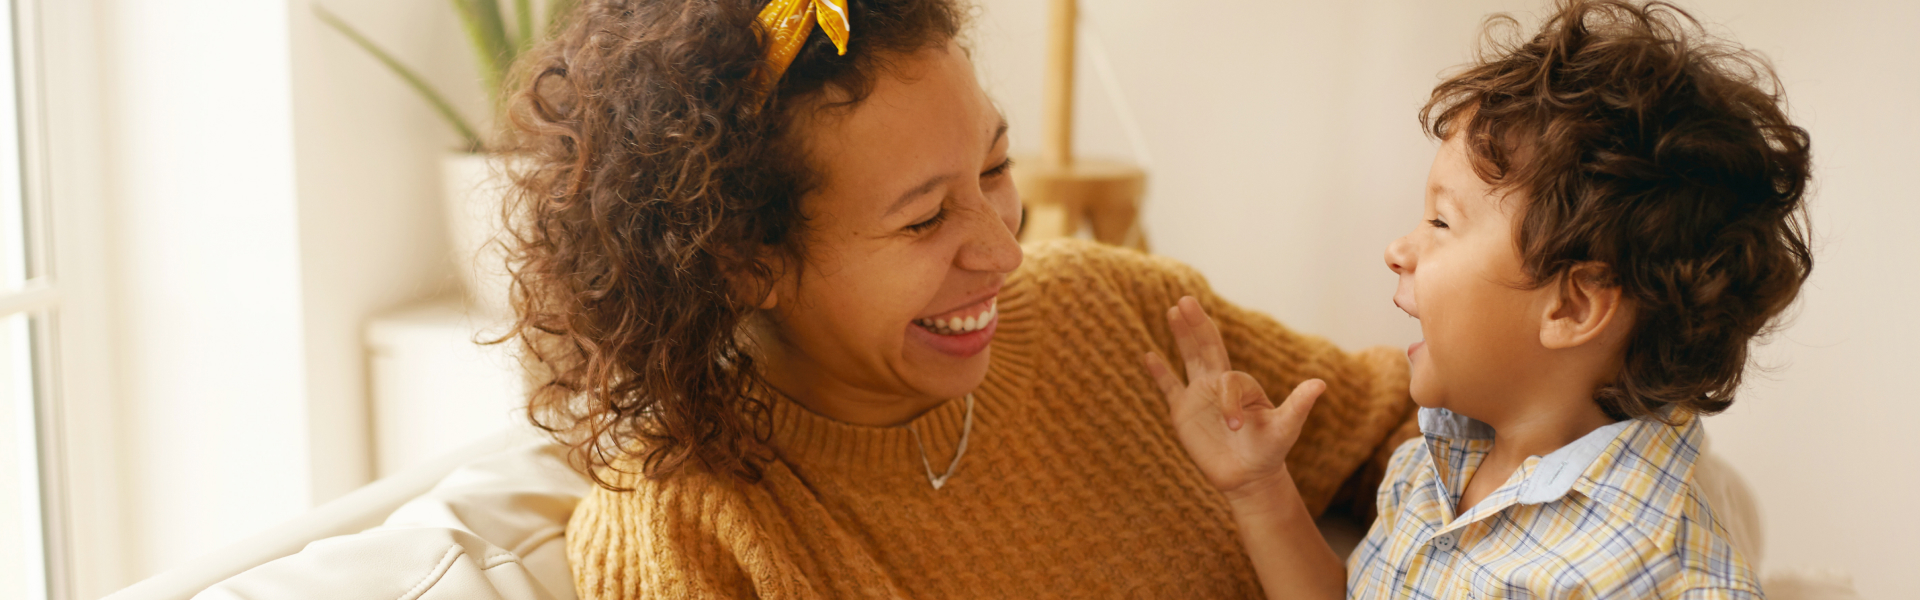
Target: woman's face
pixel 910 237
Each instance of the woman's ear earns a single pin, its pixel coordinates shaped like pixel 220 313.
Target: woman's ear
pixel 761 282
pixel 1587 306
pixel 764 295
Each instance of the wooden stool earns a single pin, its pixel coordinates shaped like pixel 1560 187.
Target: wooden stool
pixel 1062 193
pixel 1101 193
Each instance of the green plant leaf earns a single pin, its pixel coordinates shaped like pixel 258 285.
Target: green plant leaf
pixel 558 11
pixel 523 12
pixel 488 32
pixel 419 85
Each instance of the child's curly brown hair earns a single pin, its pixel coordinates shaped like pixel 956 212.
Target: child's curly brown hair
pixel 1642 143
pixel 657 186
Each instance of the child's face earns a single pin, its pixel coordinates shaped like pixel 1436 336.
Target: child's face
pixel 1461 276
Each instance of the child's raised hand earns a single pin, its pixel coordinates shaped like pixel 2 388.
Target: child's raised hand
pixel 1236 435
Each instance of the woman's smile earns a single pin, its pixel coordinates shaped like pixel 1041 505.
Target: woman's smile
pixel 961 333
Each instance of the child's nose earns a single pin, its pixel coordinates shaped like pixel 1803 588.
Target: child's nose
pixel 1400 256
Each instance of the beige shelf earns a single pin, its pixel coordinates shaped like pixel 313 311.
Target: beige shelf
pixel 433 388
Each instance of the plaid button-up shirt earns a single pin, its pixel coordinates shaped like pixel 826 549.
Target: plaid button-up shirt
pixel 1612 515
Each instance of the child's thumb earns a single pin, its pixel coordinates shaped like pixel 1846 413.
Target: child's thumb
pixel 1293 412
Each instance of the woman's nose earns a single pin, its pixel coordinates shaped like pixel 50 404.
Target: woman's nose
pixel 1400 256
pixel 991 246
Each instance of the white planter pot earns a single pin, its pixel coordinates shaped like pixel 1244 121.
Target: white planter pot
pixel 475 186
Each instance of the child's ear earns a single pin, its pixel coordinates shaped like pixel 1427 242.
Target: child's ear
pixel 1586 306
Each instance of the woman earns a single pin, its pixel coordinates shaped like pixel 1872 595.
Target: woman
pixel 786 325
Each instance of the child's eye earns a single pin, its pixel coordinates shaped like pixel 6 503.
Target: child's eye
pixel 1437 224
pixel 930 223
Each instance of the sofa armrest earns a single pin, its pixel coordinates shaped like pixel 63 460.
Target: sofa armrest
pixel 491 492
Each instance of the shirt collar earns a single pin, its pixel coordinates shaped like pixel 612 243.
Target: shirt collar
pixel 1448 424
pixel 1640 450
pixel 1560 469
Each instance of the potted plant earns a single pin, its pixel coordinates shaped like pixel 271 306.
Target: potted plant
pixel 474 183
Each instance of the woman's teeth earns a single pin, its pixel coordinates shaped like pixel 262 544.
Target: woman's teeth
pixel 960 325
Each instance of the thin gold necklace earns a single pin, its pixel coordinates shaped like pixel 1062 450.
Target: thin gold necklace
pixel 966 430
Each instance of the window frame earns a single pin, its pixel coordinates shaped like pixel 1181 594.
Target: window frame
pixel 62 150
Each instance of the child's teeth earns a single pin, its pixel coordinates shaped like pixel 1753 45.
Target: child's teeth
pixel 967 325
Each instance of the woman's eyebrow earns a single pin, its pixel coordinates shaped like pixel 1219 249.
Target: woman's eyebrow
pixel 999 132
pixel 907 197
pixel 917 191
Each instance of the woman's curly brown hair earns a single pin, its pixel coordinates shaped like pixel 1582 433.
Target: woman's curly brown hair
pixel 1641 143
pixel 657 185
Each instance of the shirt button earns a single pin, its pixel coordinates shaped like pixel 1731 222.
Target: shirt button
pixel 1445 542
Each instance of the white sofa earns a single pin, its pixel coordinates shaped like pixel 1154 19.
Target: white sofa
pixel 488 522
pixel 484 522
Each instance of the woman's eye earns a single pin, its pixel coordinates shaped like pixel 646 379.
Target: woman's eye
pixel 929 223
pixel 1001 169
pixel 1438 224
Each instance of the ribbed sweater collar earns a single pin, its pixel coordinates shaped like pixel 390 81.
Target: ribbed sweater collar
pixel 804 437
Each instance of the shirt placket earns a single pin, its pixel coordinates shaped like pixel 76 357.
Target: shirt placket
pixel 1454 540
pixel 1414 562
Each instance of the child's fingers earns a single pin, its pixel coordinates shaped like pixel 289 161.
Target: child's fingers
pixel 1212 350
pixel 1247 392
pixel 1232 388
pixel 1162 374
pixel 1183 339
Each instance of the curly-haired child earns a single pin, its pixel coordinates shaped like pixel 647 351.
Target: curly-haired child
pixel 1613 216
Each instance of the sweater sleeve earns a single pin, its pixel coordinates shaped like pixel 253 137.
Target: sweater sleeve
pixel 688 536
pixel 1356 423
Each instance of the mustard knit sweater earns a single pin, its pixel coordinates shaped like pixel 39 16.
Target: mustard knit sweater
pixel 1072 486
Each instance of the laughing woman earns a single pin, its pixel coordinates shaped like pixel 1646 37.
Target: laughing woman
pixel 768 266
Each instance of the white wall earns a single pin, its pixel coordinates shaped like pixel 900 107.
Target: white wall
pixel 1823 435
pixel 1295 118
pixel 207 270
pixel 367 172
pixel 270 186
pixel 1286 154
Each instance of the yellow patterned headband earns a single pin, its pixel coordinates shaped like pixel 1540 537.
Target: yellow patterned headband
pixel 789 21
